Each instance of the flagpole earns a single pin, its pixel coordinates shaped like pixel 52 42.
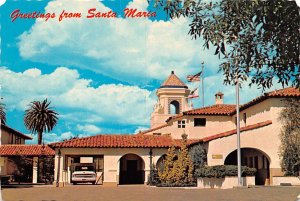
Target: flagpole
pixel 202 83
pixel 240 182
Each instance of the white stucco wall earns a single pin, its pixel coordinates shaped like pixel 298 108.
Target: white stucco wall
pixel 111 160
pixel 214 125
pixel 257 138
pixel 265 139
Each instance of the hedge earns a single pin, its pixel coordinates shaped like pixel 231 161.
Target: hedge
pixel 220 171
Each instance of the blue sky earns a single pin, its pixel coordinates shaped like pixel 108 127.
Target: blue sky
pixel 99 74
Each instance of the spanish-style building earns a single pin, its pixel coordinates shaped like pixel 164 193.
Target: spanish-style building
pixel 119 157
pixel 13 145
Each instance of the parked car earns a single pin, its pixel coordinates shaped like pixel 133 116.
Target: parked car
pixel 84 173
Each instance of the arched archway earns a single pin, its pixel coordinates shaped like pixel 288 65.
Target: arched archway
pixel 253 158
pixel 132 169
pixel 174 107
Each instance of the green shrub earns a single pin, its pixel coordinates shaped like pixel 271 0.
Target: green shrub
pixel 198 156
pixel 220 171
pixel 153 177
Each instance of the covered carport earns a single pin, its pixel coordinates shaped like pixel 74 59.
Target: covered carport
pixel 127 159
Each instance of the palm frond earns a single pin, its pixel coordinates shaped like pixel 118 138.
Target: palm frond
pixel 2 113
pixel 40 117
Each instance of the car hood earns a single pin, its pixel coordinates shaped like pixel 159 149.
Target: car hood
pixel 83 172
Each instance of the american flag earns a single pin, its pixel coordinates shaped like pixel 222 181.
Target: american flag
pixel 194 78
pixel 194 93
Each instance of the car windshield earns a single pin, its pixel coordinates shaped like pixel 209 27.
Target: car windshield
pixel 84 168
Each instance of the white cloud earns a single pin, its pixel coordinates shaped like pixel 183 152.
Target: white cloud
pixel 33 72
pixel 66 135
pixel 22 88
pixel 81 116
pixel 88 129
pixel 55 137
pixel 135 50
pixel 140 5
pixel 51 137
pixel 75 99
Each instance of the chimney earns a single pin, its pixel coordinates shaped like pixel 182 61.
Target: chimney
pixel 219 98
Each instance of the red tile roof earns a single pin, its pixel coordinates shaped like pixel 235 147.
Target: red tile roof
pixel 232 132
pixel 28 150
pixel 230 109
pixel 219 109
pixel 290 92
pixel 142 141
pixel 173 82
pixel 119 141
pixel 11 130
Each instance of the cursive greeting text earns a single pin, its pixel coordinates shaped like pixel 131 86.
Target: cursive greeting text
pixel 91 14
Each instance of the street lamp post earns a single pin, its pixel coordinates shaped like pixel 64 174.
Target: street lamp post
pixel 150 156
pixel 58 168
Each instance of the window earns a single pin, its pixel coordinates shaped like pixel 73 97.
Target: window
pixel 245 118
pixel 181 124
pixel 199 122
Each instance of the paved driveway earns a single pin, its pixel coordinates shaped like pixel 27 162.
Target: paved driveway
pixel 145 193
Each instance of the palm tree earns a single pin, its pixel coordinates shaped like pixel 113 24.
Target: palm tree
pixel 40 118
pixel 2 113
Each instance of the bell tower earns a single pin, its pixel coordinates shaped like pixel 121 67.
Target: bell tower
pixel 172 99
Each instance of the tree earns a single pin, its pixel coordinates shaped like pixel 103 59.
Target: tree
pixel 2 113
pixel 46 169
pixel 40 118
pixel 167 175
pixel 23 168
pixel 198 156
pixel 258 39
pixel 290 137
pixel 178 169
pixel 183 167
